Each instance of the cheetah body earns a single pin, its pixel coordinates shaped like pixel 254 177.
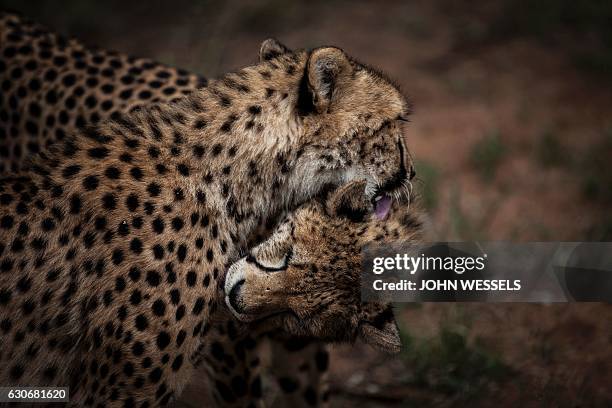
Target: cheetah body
pixel 114 242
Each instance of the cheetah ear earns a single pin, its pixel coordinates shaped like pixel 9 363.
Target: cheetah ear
pixel 386 339
pixel 379 328
pixel 350 201
pixel 271 48
pixel 326 68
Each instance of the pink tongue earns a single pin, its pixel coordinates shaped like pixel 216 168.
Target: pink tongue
pixel 382 207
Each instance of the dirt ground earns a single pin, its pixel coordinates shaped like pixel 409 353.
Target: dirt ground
pixel 512 140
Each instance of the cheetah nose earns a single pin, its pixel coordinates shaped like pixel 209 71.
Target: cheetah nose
pixel 234 296
pixel 412 173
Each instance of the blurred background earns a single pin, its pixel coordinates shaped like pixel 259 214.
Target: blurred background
pixel 512 135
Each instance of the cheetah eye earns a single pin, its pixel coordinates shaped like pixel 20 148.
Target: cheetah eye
pixel 271 265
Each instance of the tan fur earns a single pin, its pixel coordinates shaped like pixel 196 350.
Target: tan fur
pixel 209 167
pixel 57 85
pixel 309 270
pixel 234 154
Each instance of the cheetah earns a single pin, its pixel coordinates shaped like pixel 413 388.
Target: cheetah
pixel 82 87
pixel 51 85
pixel 132 223
pixel 305 279
pixel 55 86
pixel 306 276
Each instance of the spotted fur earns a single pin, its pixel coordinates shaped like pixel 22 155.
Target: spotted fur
pixel 51 85
pixel 306 276
pixel 118 236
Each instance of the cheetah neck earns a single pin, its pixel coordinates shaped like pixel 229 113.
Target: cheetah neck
pixel 244 176
pixel 162 192
pixel 238 141
pixel 230 149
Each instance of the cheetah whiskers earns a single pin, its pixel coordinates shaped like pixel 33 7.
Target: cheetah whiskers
pixel 407 190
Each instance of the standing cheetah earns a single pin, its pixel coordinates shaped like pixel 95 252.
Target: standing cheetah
pixel 53 86
pixel 133 222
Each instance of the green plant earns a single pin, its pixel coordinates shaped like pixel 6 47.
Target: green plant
pixel 450 364
pixel 487 154
pixel 594 171
pixel 550 152
pixel 427 184
pixel 580 28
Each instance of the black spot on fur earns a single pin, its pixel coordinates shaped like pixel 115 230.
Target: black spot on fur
pixel 287 384
pixel 163 340
pixel 153 189
pixel 98 152
pixel 322 360
pixel 310 396
pixel 225 392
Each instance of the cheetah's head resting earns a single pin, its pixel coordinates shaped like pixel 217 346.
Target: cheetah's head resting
pixel 306 276
pixel 350 116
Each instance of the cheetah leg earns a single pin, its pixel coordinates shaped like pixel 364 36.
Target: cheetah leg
pixel 299 371
pixel 258 369
pixel 229 373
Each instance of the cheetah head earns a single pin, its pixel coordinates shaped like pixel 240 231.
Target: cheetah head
pixel 306 276
pixel 351 119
